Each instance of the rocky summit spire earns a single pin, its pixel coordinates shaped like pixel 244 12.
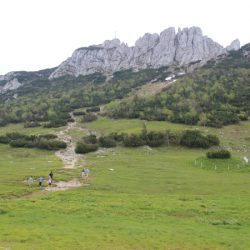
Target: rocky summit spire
pixel 150 51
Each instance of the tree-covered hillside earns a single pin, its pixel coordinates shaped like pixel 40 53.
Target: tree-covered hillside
pixel 215 95
pixel 42 100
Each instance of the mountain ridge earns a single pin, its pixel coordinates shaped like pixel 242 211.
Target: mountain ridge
pixel 150 51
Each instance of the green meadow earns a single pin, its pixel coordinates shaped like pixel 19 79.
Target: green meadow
pixel 142 198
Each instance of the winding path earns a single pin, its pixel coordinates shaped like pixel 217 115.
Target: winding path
pixel 68 156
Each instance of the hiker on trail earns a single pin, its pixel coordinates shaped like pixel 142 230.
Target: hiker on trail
pixel 51 175
pixel 41 179
pixel 50 180
pixel 30 181
pixel 87 173
pixel 83 173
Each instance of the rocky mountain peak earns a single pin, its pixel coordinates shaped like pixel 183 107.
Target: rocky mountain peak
pixel 234 45
pixel 150 51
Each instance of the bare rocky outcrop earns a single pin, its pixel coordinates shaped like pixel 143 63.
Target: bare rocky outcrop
pixel 235 45
pixel 150 51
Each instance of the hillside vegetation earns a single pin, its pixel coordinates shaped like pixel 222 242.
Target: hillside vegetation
pixel 217 94
pixel 42 100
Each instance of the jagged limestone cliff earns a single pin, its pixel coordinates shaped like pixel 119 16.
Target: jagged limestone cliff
pixel 152 50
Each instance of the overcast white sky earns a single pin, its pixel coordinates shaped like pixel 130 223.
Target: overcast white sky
pixel 38 34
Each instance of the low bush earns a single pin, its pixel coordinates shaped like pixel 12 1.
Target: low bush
pixel 56 124
pixel 93 109
pixel 4 139
pixel 90 139
pixel 218 153
pixel 107 142
pixel 78 113
pixel 32 124
pixel 89 117
pixel 48 136
pixel 194 139
pixel 154 139
pixel 82 148
pixel 117 137
pixel 51 145
pixel 133 140
pixel 21 143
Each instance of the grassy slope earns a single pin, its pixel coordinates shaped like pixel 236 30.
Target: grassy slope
pixel 155 199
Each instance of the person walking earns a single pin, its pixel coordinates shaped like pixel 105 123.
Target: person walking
pixel 30 181
pixel 83 173
pixel 87 173
pixel 41 179
pixel 51 175
pixel 50 181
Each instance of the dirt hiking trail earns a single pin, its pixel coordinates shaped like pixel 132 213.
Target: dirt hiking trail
pixel 68 156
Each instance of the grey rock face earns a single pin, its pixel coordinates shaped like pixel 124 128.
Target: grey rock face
pixel 150 51
pixel 235 45
pixel 10 85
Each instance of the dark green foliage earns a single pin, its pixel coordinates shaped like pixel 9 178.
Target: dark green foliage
pixel 78 113
pixel 133 140
pixel 243 116
pixel 51 144
pixel 119 137
pixel 213 140
pixel 22 143
pixel 194 139
pixel 32 141
pixel 32 124
pixel 107 142
pixel 55 124
pixel 216 95
pixel 154 139
pixel 90 139
pixel 48 136
pixel 50 101
pixel 4 139
pixel 82 147
pixel 93 109
pixel 218 153
pixel 89 117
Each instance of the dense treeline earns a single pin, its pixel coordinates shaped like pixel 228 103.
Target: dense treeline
pixel 46 141
pixel 188 138
pixel 48 102
pixel 216 95
pixel 210 97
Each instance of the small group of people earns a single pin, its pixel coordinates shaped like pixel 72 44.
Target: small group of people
pixel 85 173
pixel 31 180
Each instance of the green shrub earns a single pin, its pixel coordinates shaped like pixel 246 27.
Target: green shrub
pixel 133 140
pixel 19 143
pixel 89 117
pixel 4 139
pixel 32 124
pixel 93 109
pixel 55 124
pixel 213 140
pixel 118 137
pixel 107 142
pixel 194 139
pixel 218 153
pixel 243 116
pixel 51 145
pixel 90 139
pixel 78 113
pixel 154 139
pixel 48 136
pixel 82 148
